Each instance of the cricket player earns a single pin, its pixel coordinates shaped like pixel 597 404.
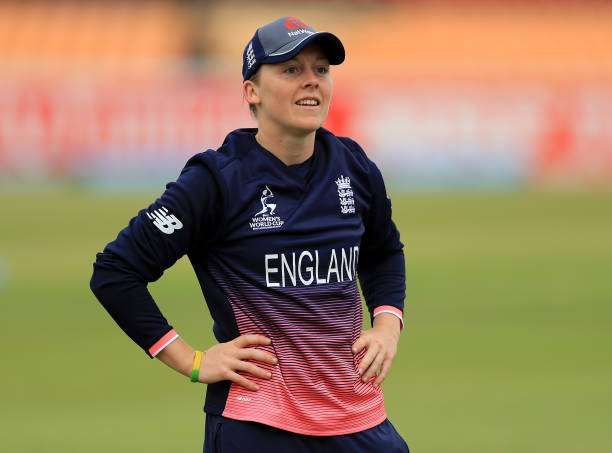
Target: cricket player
pixel 279 223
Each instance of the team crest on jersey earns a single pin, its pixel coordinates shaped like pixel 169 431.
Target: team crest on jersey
pixel 266 218
pixel 345 194
pixel 164 221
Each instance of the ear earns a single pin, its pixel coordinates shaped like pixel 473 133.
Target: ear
pixel 250 92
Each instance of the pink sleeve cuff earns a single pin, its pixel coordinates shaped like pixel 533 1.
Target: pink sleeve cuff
pixel 390 309
pixel 163 342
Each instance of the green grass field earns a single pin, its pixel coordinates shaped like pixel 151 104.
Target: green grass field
pixel 507 346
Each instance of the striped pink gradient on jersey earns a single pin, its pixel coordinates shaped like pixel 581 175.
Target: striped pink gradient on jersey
pixel 315 389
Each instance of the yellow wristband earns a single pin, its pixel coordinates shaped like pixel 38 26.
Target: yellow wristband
pixel 195 370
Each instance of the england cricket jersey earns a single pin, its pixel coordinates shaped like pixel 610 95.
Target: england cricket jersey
pixel 278 250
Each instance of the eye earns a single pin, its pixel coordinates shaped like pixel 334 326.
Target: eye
pixel 323 69
pixel 291 70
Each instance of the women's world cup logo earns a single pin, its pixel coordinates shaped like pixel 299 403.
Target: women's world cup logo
pixel 266 207
pixel 265 219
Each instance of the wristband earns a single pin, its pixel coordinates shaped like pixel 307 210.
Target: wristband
pixel 195 369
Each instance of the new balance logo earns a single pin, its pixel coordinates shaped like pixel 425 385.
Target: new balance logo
pixel 166 223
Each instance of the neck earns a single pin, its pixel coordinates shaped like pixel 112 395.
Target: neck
pixel 290 149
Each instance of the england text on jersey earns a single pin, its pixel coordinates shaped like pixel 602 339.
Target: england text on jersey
pixel 306 268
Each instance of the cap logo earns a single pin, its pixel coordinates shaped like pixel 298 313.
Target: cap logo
pixel 293 22
pixel 250 55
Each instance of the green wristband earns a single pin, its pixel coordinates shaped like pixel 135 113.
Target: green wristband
pixel 195 375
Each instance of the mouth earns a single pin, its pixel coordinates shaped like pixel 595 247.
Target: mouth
pixel 308 102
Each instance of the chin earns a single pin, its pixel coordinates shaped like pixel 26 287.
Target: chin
pixel 306 126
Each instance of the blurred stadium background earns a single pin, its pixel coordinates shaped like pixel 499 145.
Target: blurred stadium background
pixel 492 122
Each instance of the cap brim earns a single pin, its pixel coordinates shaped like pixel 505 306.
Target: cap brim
pixel 330 45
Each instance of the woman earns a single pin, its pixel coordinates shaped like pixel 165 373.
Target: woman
pixel 292 370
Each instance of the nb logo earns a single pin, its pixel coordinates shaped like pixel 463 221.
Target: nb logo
pixel 166 223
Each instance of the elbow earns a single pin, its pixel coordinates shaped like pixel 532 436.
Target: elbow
pixel 110 276
pixel 95 283
pixel 99 280
pixel 104 273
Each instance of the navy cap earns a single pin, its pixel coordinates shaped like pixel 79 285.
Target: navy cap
pixel 282 40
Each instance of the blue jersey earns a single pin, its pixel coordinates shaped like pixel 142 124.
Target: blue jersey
pixel 278 251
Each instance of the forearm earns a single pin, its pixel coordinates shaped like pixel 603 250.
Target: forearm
pixel 126 298
pixel 178 355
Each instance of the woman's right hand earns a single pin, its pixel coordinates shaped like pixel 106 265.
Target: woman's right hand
pixel 224 360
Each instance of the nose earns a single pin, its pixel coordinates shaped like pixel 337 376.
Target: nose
pixel 310 79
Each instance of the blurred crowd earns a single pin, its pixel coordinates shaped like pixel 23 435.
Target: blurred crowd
pixel 440 93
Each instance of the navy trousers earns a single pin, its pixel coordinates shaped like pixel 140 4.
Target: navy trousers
pixel 225 435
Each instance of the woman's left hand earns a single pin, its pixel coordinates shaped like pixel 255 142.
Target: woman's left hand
pixel 381 346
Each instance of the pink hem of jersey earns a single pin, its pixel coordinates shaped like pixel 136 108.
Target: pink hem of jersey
pixel 392 310
pixel 164 341
pixel 306 432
